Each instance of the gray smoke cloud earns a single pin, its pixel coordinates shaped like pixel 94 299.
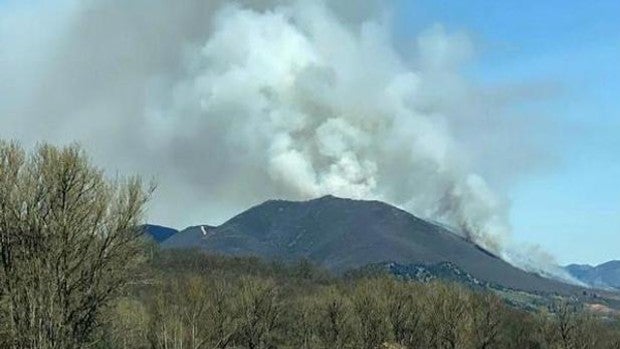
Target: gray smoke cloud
pixel 227 104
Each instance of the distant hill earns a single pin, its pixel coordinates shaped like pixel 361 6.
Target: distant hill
pixel 343 234
pixel 158 232
pixel 606 275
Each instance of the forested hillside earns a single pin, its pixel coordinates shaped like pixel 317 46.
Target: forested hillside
pixel 189 299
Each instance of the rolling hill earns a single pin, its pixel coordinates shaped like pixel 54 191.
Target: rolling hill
pixel 606 275
pixel 344 234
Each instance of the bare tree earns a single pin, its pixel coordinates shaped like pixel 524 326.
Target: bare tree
pixel 487 316
pixel 298 320
pixel 260 310
pixel 336 322
pixel 405 312
pixel 222 319
pixel 370 304
pixel 69 240
pixel 128 321
pixel 572 327
pixel 448 319
pixel 167 327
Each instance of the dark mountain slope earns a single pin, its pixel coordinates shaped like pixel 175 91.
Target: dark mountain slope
pixel 603 275
pixel 342 234
pixel 158 232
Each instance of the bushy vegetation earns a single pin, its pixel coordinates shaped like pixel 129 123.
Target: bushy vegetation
pixel 75 272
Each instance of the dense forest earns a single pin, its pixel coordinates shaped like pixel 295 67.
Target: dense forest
pixel 77 271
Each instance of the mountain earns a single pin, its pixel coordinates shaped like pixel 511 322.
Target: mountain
pixel 606 275
pixel 158 232
pixel 344 234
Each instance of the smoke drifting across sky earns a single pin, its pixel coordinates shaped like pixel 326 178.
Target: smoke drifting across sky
pixel 228 104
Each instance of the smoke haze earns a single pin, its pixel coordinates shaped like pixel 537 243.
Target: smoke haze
pixel 228 104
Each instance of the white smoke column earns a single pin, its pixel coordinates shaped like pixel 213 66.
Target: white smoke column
pixel 326 110
pixel 233 104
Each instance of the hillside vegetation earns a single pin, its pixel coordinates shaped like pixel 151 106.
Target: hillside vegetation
pixel 190 299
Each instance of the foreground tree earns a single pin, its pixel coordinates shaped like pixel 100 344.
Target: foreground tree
pixel 370 304
pixel 487 315
pixel 448 318
pixel 336 322
pixel 69 240
pixel 259 313
pixel 127 321
pixel 572 327
pixel 405 312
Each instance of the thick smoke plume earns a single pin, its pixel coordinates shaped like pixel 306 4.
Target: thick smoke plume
pixel 228 104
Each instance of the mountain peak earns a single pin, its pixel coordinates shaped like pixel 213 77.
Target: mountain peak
pixel 329 197
pixel 343 234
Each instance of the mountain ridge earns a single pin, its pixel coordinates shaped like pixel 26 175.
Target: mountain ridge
pixel 159 233
pixel 606 275
pixel 343 234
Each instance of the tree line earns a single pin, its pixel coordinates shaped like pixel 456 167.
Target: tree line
pixel 196 300
pixel 76 271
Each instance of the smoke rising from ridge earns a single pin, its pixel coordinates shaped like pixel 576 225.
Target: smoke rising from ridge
pixel 228 104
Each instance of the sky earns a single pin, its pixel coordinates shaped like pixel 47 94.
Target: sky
pixel 572 209
pixel 560 56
